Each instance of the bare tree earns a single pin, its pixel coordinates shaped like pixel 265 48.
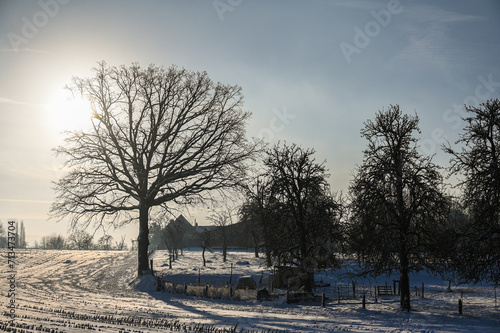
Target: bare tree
pixel 249 214
pixel 303 218
pixel 222 219
pixel 257 209
pixel 159 137
pixel 397 202
pixel 105 243
pixel 477 243
pixel 120 245
pixel 205 238
pixel 55 242
pixel 21 235
pixel 81 239
pixel 172 236
pixel 3 236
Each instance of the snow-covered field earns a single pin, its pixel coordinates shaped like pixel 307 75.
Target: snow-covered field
pixel 72 291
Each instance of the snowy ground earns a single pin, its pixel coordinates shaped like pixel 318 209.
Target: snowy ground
pixel 71 291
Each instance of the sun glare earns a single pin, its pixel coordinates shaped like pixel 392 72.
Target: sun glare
pixel 68 113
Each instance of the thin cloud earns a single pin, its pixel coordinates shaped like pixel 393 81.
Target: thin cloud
pixel 429 43
pixel 357 4
pixel 431 14
pixel 40 202
pixel 26 50
pixel 5 100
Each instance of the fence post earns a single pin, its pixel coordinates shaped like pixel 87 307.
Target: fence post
pixel 323 299
pixel 151 265
pixel 170 261
pixel 496 304
pixel 460 306
pixel 231 275
pixel 158 284
pixel 364 301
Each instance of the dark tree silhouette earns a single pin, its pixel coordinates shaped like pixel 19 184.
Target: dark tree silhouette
pixel 257 212
pixel 159 137
pixel 205 238
pixel 81 239
pixel 21 235
pixel 120 245
pixel 172 235
pixel 250 215
pixel 105 243
pixel 396 200
pixel 55 242
pixel 222 219
pixel 477 244
pixel 304 218
pixel 3 236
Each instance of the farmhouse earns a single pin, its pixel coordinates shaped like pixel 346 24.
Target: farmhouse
pixel 181 234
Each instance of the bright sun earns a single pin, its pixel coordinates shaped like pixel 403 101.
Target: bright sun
pixel 68 113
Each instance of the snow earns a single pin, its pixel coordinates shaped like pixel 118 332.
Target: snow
pixel 70 291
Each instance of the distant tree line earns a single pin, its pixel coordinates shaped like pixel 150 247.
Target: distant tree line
pixel 76 240
pixel 80 240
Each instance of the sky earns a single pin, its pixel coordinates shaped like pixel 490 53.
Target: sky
pixel 312 72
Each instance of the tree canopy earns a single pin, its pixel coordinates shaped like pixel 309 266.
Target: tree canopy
pixel 159 137
pixel 396 200
pixel 476 254
pixel 298 216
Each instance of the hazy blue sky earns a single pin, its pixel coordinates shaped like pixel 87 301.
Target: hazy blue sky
pixel 311 71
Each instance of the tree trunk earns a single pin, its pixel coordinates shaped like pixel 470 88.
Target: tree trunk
pixel 404 282
pixel 305 262
pixel 203 256
pixel 224 253
pixel 256 249
pixel 269 261
pixel 143 240
pixel 255 244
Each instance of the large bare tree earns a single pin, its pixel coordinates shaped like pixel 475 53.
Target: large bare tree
pixel 397 203
pixel 302 215
pixel 159 137
pixel 477 243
